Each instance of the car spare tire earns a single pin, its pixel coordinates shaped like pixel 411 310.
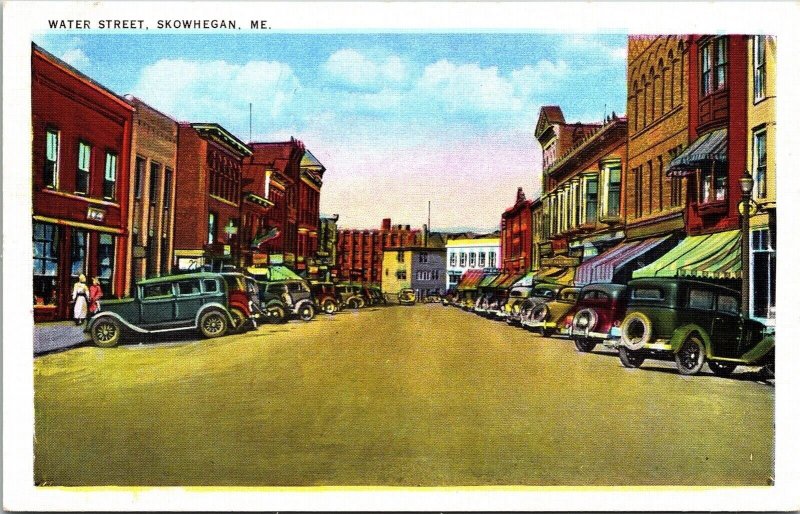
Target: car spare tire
pixel 540 313
pixel 585 320
pixel 637 330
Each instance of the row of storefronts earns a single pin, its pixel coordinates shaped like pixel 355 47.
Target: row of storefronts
pixel 123 192
pixel 666 190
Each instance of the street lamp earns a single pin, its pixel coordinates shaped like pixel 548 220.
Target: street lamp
pixel 746 183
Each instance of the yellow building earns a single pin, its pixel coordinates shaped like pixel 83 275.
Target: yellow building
pixel 761 110
pixel 396 271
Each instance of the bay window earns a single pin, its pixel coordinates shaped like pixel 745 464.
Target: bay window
pixel 713 183
pixel 713 65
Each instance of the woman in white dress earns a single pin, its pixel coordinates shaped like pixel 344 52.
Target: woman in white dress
pixel 80 295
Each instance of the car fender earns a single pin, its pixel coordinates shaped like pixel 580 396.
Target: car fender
pixel 100 315
pixel 680 335
pixel 211 306
pixel 759 351
pixel 301 303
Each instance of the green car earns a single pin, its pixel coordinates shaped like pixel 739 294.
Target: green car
pixel 196 301
pixel 693 323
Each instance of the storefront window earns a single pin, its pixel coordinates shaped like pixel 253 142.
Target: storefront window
pixel 763 273
pixel 105 258
pixel 80 240
pixel 45 264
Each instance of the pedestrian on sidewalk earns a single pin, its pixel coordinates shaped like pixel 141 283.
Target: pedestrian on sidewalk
pixel 80 295
pixel 95 293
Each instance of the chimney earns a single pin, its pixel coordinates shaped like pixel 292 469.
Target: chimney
pixel 425 235
pixel 387 224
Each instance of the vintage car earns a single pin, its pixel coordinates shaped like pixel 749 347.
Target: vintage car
pixel 549 317
pixel 351 295
pixel 195 301
pixel 484 302
pixel 324 297
pixel 287 298
pixel 376 296
pixel 406 297
pixel 596 317
pixel 497 303
pixel 513 305
pixel 542 292
pixel 693 323
pixel 245 306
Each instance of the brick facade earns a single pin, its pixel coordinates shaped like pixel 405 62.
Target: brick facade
pixel 359 253
pixel 516 236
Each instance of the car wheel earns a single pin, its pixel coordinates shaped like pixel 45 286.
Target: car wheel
pixel 691 356
pixel 106 332
pixel 213 324
pixel 636 329
pixel 239 320
pixel 306 312
pixel 630 358
pixel 722 369
pixel 353 303
pixel 584 345
pixel 275 314
pixel 329 306
pixel 540 312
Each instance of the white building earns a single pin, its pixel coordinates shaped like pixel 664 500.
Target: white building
pixel 464 254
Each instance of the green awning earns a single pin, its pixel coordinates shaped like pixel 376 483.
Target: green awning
pixel 273 273
pixel 487 279
pixel 708 256
pixel 525 280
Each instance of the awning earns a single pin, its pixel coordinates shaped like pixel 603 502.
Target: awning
pixel 273 273
pixel 509 280
pixel 603 267
pixel 555 275
pixel 499 279
pixel 712 146
pixel 525 280
pixel 487 279
pixel 469 280
pixel 707 256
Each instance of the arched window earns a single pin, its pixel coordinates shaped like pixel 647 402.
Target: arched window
pixel 635 106
pixel 680 70
pixel 644 101
pixel 652 105
pixel 662 72
pixel 671 66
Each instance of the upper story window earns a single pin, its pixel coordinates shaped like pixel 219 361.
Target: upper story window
pixel 138 177
pixel 760 163
pixel 713 65
pixel 482 260
pixel 401 256
pixel 154 169
pixel 759 67
pixel 713 183
pixel 51 159
pixel 84 168
pixel 110 177
pixel 423 257
pixel 212 227
pixel 590 199
pixel 612 188
pixel 472 259
pixel 453 259
pixel 167 188
pixel 492 260
pixel 462 259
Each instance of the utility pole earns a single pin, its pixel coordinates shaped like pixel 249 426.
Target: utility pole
pixel 427 236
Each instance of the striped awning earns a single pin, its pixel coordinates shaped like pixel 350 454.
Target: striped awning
pixel 525 280
pixel 469 280
pixel 509 280
pixel 487 279
pixel 273 273
pixel 708 256
pixel 603 267
pixel 555 275
pixel 712 146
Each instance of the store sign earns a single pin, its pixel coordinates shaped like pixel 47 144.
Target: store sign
pixel 190 263
pixel 95 214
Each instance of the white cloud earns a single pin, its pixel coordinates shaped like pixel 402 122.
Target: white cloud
pixel 352 68
pixel 468 87
pixel 218 90
pixel 76 57
pixel 543 76
pixel 595 48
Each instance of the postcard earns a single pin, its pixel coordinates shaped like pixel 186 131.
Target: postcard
pixel 370 256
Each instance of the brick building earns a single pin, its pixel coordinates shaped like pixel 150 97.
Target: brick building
pixel 308 193
pixel 516 236
pixel 154 149
pixel 208 195
pixel 360 252
pixel 80 184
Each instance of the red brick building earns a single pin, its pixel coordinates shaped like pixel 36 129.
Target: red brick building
pixel 359 253
pixel 80 184
pixel 516 235
pixel 208 195
pixel 308 193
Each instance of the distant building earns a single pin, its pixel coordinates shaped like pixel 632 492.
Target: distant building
pixel 417 267
pixel 464 254
pixel 326 248
pixel 360 252
pixel 81 159
pixel 516 236
pixel 153 163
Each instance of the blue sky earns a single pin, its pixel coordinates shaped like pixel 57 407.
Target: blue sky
pixel 398 119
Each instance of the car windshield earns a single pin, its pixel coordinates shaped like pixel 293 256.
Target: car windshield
pixel 520 292
pixel 544 293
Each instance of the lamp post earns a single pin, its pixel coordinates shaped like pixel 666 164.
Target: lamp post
pixel 746 183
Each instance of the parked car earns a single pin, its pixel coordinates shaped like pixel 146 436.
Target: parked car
pixel 596 318
pixel 542 292
pixel 351 295
pixel 295 300
pixel 379 297
pixel 196 301
pixel 692 323
pixel 324 297
pixel 242 307
pixel 406 297
pixel 497 303
pixel 484 302
pixel 513 306
pixel 549 316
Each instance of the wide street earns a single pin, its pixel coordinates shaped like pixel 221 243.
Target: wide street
pixel 395 396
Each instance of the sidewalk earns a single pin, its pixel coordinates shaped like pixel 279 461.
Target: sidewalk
pixel 56 336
